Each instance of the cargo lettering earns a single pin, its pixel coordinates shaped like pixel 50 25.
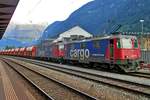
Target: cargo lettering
pixel 80 53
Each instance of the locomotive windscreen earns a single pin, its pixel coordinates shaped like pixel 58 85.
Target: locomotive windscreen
pixel 124 43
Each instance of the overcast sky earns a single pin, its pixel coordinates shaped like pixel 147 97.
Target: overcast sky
pixel 45 11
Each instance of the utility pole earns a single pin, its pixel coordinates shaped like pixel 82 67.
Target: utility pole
pixel 142 21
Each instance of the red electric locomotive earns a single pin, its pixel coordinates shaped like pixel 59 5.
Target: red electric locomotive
pixel 124 52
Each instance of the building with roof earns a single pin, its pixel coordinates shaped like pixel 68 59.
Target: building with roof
pixel 75 32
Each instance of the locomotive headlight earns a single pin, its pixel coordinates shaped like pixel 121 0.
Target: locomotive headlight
pixel 126 56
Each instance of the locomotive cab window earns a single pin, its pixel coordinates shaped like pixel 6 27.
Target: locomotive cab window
pixel 118 43
pixel 125 43
pixel 61 46
pixel 96 44
pixel 83 45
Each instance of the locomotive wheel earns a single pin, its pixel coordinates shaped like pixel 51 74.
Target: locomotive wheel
pixel 117 68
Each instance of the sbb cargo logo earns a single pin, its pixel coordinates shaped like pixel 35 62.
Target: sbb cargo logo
pixel 80 53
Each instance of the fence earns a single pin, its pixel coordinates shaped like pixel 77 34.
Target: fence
pixel 145 56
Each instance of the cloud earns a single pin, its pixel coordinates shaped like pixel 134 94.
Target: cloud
pixel 45 11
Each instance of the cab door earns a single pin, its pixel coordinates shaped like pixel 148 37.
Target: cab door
pixel 111 49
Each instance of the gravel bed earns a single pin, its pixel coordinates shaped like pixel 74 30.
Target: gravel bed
pixel 101 91
pixel 145 71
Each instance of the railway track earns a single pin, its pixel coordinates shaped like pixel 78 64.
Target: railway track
pixel 44 94
pixel 135 87
pixel 42 82
pixel 141 75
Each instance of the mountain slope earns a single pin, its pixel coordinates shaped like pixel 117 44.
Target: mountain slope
pixel 99 16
